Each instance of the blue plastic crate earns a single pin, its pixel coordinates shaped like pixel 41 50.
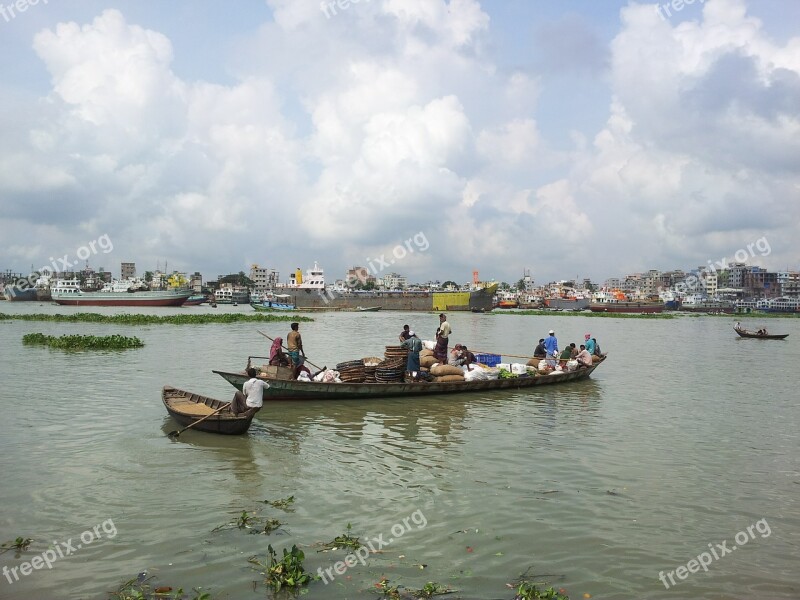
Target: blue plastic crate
pixel 491 360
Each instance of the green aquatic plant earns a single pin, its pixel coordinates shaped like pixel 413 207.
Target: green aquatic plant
pixel 346 540
pixel 140 589
pixel 288 572
pixel 431 589
pixel 529 591
pixel 137 319
pixel 282 503
pixel 83 342
pixel 19 544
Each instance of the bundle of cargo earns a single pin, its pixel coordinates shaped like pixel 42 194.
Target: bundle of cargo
pixel 390 371
pixel 352 371
pixel 370 364
pixel 395 352
pixel 445 373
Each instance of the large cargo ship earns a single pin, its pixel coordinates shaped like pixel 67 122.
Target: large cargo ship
pixel 617 302
pixel 15 293
pixel 310 293
pixel 69 293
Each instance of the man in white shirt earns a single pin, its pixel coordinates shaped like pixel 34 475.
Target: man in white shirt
pixel 250 400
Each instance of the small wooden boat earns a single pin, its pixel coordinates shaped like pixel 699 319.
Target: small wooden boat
pixel 368 308
pixel 761 336
pixel 281 389
pixel 186 408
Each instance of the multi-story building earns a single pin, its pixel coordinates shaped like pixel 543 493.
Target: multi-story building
pixel 196 282
pixel 395 281
pixel 264 278
pixel 760 283
pixel 128 270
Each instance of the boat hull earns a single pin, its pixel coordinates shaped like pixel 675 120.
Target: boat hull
pixel 311 299
pixel 271 306
pixel 18 294
pixel 304 390
pixel 567 303
pixel 747 334
pixel 122 298
pixel 627 307
pixel 179 403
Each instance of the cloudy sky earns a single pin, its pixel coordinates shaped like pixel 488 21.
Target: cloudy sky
pixel 570 138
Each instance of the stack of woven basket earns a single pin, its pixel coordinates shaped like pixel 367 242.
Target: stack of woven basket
pixel 351 371
pixel 396 352
pixel 370 364
pixel 390 371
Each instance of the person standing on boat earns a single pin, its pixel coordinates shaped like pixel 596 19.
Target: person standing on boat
pixel 551 346
pixel 442 338
pixel 295 344
pixel 589 343
pixel 414 345
pixel 250 400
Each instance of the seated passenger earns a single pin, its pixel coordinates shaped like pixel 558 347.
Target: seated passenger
pixel 277 357
pixel 584 358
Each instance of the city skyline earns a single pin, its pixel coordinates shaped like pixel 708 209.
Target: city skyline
pixel 594 139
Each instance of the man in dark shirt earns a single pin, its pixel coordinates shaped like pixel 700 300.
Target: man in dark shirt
pixel 540 352
pixel 405 334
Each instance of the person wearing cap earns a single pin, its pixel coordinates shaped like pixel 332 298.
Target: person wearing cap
pixel 414 345
pixel 590 344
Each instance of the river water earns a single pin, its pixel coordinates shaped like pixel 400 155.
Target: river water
pixel 683 439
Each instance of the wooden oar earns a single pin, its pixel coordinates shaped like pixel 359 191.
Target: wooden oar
pixel 317 367
pixel 174 434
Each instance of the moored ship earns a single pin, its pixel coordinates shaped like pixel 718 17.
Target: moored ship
pixel 310 293
pixel 617 302
pixel 121 293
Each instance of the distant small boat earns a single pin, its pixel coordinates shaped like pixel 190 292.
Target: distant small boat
pixel 195 300
pixel 187 408
pixel 275 302
pixel 481 310
pixel 508 304
pixel 368 308
pixel 761 336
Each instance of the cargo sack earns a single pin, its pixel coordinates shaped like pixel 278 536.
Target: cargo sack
pixel 442 370
pixel 449 378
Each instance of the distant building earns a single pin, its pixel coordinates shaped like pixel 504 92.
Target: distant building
pixel 357 275
pixel 394 281
pixel 263 278
pixel 196 282
pixel 128 270
pixel 789 282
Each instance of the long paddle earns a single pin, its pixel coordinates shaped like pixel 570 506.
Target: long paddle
pixel 317 367
pixel 174 434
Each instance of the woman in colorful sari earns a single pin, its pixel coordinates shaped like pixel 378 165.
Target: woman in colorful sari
pixel 277 356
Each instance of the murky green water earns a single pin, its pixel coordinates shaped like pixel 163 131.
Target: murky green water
pixel 684 438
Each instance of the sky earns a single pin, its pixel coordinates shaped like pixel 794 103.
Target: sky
pixel 432 138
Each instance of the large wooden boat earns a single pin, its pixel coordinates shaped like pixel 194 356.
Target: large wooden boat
pixel 281 389
pixel 761 336
pixel 187 408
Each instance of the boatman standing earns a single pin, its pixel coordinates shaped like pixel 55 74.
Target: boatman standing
pixel 551 346
pixel 442 338
pixel 294 343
